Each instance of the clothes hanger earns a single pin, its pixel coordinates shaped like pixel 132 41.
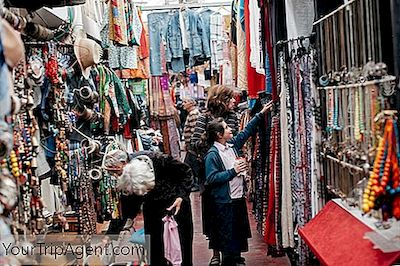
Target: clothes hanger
pixel 223 8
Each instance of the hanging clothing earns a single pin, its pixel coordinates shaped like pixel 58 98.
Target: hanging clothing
pixel 174 44
pixel 184 32
pixel 226 73
pixel 256 81
pixel 299 17
pixel 144 44
pixel 268 49
pixel 157 36
pixel 241 54
pixel 256 47
pixel 286 203
pixel 118 24
pixel 216 37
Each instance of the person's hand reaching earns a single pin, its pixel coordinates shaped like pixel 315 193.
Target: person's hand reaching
pixel 177 205
pixel 267 107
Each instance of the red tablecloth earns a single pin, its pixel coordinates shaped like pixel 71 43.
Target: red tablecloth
pixel 336 238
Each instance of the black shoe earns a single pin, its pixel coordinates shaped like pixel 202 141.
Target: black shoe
pixel 215 261
pixel 241 262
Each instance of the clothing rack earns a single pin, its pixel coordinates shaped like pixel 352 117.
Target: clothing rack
pixel 347 86
pixel 333 12
pixel 178 6
pixel 300 38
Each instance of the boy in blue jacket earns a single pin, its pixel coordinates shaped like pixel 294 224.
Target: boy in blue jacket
pixel 224 176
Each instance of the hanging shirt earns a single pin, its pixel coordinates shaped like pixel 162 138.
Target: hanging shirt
pixel 216 35
pixel 228 157
pixel 256 49
pixel 182 17
pixel 241 55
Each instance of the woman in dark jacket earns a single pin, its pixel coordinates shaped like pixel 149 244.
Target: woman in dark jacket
pixel 230 228
pixel 220 103
pixel 173 181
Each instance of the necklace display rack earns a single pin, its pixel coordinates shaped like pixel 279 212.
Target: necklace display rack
pixel 351 131
pixel 353 90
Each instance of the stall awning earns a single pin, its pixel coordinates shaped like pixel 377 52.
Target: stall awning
pixel 336 237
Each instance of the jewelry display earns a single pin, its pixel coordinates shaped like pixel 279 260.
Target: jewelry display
pixel 383 189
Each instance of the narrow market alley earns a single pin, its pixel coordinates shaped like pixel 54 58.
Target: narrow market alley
pixel 255 257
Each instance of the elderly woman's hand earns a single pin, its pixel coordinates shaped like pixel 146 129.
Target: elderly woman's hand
pixel 177 205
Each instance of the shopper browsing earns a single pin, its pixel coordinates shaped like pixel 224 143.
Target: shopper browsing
pixel 220 103
pixel 224 177
pixel 164 185
pixel 190 105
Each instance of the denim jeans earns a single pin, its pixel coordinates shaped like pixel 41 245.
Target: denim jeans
pixel 158 26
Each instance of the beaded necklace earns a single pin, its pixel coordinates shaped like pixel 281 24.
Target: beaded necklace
pixel 357 130
pixel 383 190
pixel 331 107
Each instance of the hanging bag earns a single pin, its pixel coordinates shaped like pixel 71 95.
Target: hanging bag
pixel 172 244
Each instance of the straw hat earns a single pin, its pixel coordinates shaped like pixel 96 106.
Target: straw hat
pixel 88 53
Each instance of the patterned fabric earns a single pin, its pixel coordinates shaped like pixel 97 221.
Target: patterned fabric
pixel 216 38
pixel 144 50
pixel 125 57
pixel 117 27
pixel 190 124
pixel 174 141
pixel 226 28
pixel 270 223
pixel 300 71
pixel 136 25
pixel 241 56
pixel 286 136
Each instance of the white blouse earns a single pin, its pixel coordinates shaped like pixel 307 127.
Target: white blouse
pixel 228 156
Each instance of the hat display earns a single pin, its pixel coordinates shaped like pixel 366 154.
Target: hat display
pixel 88 53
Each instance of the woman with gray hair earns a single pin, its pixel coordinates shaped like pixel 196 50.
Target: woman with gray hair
pixel 164 185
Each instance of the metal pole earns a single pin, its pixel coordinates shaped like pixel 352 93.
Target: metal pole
pixel 395 7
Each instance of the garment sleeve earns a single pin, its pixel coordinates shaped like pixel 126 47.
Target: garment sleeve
pixel 233 122
pixel 189 127
pixel 201 28
pixel 167 41
pixel 213 174
pixel 247 132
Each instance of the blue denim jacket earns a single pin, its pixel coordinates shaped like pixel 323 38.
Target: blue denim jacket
pixel 198 39
pixel 199 44
pixel 174 44
pixel 205 19
pixel 174 38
